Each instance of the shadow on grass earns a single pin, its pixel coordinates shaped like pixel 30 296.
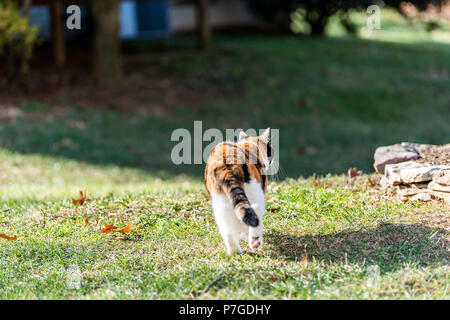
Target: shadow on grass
pixel 334 104
pixel 388 245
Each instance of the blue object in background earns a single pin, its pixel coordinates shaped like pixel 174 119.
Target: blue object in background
pixel 153 19
pixel 128 20
pixel 40 16
pixel 141 20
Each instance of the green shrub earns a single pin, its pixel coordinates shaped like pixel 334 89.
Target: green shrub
pixel 312 16
pixel 17 40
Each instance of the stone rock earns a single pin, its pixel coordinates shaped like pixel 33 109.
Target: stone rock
pixel 413 194
pixel 410 172
pixel 413 175
pixel 411 190
pixel 420 185
pixel 442 177
pixel 391 155
pixel 438 187
pixel 441 195
pixel 417 147
pixel 392 172
pixel 398 153
pixel 408 192
pixel 421 197
pixel 394 148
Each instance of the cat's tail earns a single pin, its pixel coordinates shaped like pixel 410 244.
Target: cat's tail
pixel 233 187
pixel 241 205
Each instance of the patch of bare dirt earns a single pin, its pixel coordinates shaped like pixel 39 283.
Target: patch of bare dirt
pixel 438 155
pixel 437 221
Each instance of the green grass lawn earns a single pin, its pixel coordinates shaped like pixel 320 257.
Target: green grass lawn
pixel 334 100
pixel 321 240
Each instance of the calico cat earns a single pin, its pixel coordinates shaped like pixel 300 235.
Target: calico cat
pixel 235 178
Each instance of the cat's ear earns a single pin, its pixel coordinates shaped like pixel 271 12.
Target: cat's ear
pixel 266 135
pixel 242 135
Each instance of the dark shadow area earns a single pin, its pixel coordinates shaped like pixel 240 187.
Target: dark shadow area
pixel 334 101
pixel 389 246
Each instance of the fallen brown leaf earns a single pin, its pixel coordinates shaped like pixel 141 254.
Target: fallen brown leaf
pixel 317 183
pixel 4 236
pixel 126 229
pixel 107 228
pixel 352 173
pixel 80 202
pixel 304 258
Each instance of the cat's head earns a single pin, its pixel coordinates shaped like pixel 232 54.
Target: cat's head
pixel 263 144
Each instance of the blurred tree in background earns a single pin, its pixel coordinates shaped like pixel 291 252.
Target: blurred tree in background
pixel 106 55
pixel 316 13
pixel 106 46
pixel 17 40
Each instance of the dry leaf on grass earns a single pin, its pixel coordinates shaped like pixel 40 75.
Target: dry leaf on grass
pixel 4 236
pixel 304 257
pixel 107 228
pixel 80 202
pixel 126 229
pixel 372 182
pixel 317 183
pixel 352 173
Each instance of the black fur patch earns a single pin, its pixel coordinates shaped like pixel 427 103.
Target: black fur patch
pixel 246 174
pixel 269 151
pixel 250 218
pixel 238 196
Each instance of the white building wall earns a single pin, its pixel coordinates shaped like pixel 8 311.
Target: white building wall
pixel 222 13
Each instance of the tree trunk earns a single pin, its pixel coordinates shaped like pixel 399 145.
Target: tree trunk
pixel 59 50
pixel 107 64
pixel 203 26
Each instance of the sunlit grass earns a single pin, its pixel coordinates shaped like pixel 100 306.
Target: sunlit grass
pixel 393 28
pixel 322 240
pixel 334 100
